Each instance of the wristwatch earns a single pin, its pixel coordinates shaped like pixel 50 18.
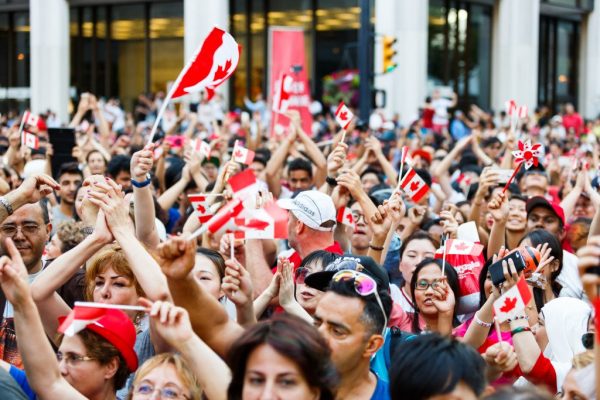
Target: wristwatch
pixel 6 204
pixel 331 181
pixel 145 183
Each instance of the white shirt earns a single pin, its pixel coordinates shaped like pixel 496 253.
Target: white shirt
pixel 441 111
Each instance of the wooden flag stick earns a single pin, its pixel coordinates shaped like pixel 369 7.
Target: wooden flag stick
pixel 445 239
pixel 343 136
pixel 498 332
pixel 231 240
pixel 109 306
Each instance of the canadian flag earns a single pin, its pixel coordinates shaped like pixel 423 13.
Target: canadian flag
pixel 244 187
pixel 283 91
pixel 225 216
pixel 201 207
pixel 345 217
pixel 269 222
pixel 414 186
pixel 343 115
pixel 462 247
pixel 30 140
pixel 212 64
pixel 406 159
pixel 31 119
pixel 79 318
pixel 522 111
pixel 511 107
pixel 200 146
pixel 513 302
pixel 242 154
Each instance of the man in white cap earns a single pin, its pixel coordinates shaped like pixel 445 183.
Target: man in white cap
pixel 311 225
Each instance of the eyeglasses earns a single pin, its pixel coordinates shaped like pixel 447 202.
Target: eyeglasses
pixel 301 274
pixel 26 229
pixel 424 285
pixel 364 285
pixel 146 390
pixel 356 215
pixel 72 359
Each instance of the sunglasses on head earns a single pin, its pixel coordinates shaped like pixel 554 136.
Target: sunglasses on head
pixel 364 285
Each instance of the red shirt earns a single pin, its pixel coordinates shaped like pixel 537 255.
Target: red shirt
pixel 297 260
pixel 573 121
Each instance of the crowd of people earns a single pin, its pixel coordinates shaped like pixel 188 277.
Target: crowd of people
pixel 359 309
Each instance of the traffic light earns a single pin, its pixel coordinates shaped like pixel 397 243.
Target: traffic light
pixel 388 54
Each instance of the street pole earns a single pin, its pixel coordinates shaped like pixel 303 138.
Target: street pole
pixel 365 55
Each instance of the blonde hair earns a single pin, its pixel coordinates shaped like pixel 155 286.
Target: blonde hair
pixel 584 359
pixel 182 368
pixel 111 256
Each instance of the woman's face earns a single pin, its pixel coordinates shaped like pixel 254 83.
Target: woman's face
pixel 207 275
pixel 270 375
pixel 306 296
pixel 53 248
pixel 539 330
pixel 87 377
pixel 165 378
pixel 416 251
pixel 97 164
pixel 424 298
pixel 113 288
pixel 487 285
pixel 517 215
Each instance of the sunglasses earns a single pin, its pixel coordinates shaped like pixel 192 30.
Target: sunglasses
pixel 364 285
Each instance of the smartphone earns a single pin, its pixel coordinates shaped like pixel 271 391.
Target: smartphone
pixel 496 271
pixel 503 175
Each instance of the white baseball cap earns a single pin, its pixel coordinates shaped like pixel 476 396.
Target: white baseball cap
pixel 315 209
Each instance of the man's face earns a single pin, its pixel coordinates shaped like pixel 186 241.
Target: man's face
pixel 534 181
pixel 123 178
pixel 28 231
pixel 362 232
pixel 257 168
pixel 291 228
pixel 493 150
pixel 368 181
pixel 211 171
pixel 338 320
pixel 583 208
pixel 300 180
pixel 68 186
pixel 544 218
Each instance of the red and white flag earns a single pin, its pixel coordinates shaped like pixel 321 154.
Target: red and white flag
pixel 225 216
pixel 513 302
pixel 79 318
pixel 31 119
pixel 511 107
pixel 201 207
pixel 522 111
pixel 241 154
pixel 30 140
pixel 200 146
pixel 343 115
pixel 283 91
pixel 244 187
pixel 269 222
pixel 212 64
pixel 414 186
pixel 344 216
pixel 462 247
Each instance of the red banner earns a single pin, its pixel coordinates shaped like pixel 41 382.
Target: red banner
pixel 286 56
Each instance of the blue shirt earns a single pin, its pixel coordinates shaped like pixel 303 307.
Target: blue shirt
pixel 382 390
pixel 21 379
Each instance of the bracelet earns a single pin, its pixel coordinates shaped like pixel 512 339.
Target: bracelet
pixel 6 205
pixel 331 181
pixel 518 317
pixel 377 248
pixel 143 184
pixel 520 329
pixel 88 230
pixel 481 323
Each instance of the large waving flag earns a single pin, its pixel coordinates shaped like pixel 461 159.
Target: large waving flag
pixel 212 64
pixel 269 222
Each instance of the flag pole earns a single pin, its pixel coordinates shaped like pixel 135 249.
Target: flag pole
pixel 110 306
pixel 498 332
pixel 200 231
pixel 343 136
pixel 512 177
pixel 445 239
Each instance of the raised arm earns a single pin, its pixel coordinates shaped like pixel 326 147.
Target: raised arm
pixel 374 145
pixel 169 197
pixel 209 319
pixel 32 190
pixel 568 202
pixel 277 163
pixel 40 363
pixel 145 228
pixel 174 326
pixel 313 152
pixel 499 209
pixel 108 197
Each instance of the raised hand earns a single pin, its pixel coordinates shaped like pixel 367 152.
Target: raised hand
pixel 13 275
pixel 498 207
pixel 176 257
pixel 501 356
pixel 141 163
pixel 589 257
pixel 443 298
pixel 336 159
pixel 381 222
pixel 350 180
pixel 33 189
pixel 416 215
pixel 286 284
pixel 237 283
pixel 450 224
pixel 396 208
pixel 109 198
pixel 171 322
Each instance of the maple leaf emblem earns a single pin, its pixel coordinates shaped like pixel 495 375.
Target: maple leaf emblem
pixel 461 246
pixel 349 218
pixel 221 71
pixel 343 115
pixel 238 154
pixel 201 209
pixel 509 304
pixel 414 186
pixel 257 224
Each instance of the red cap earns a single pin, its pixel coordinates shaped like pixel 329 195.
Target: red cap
pixel 425 155
pixel 41 125
pixel 539 201
pixel 116 327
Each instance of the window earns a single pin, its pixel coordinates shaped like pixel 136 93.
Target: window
pixel 460 40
